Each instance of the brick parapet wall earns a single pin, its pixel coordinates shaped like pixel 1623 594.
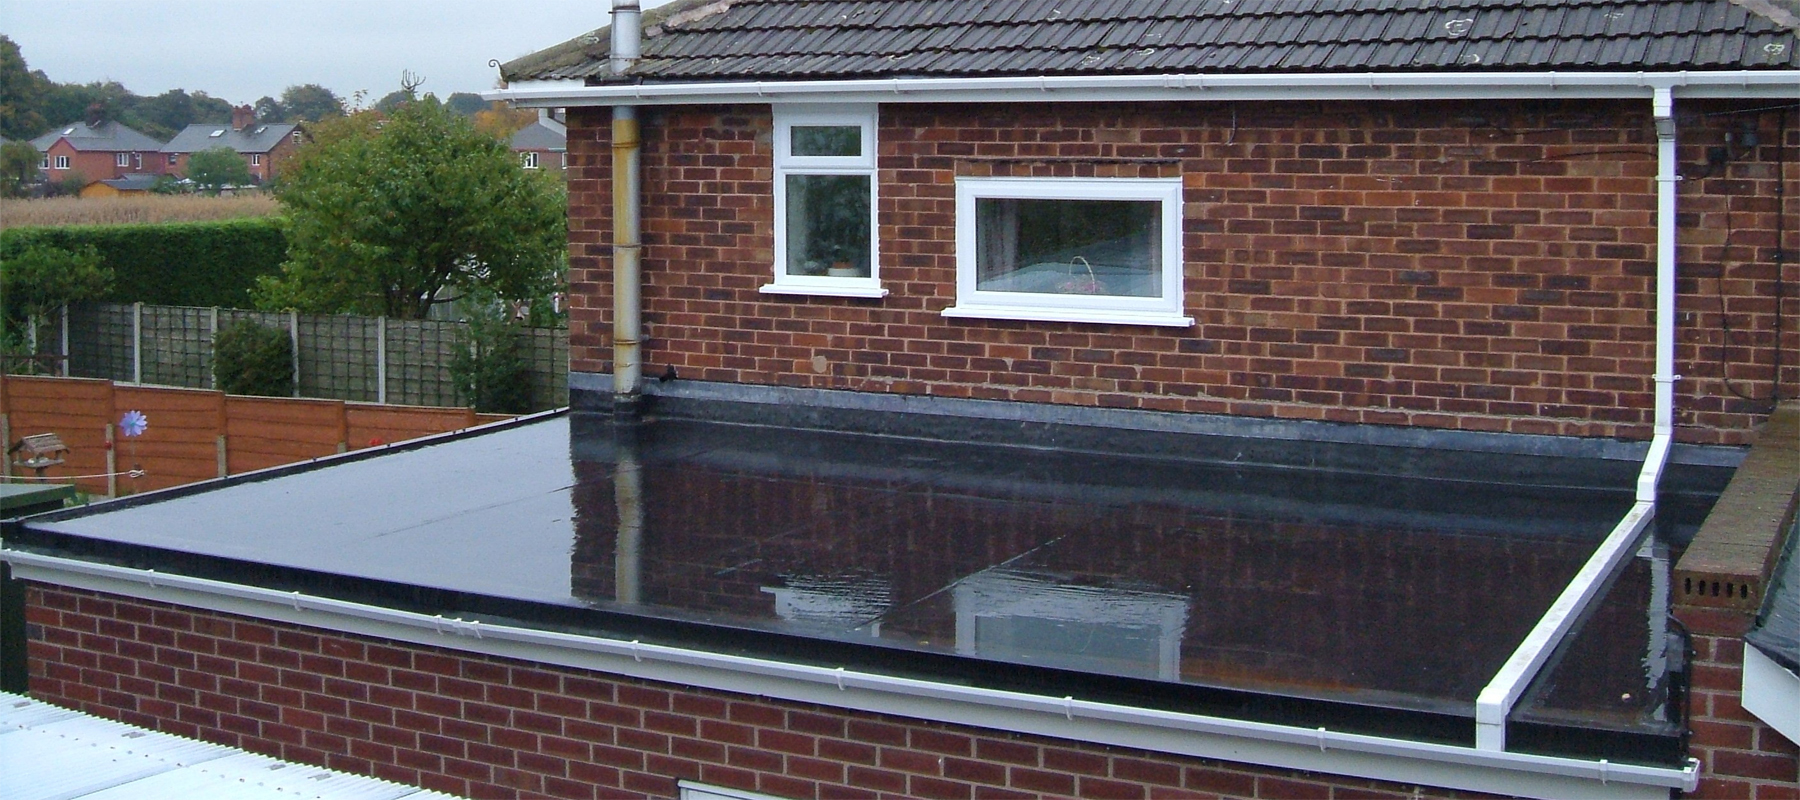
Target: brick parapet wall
pixel 491 727
pixel 1437 264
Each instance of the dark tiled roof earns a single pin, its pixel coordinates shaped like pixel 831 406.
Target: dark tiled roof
pixel 799 39
pixel 257 138
pixel 135 182
pixel 541 135
pixel 106 137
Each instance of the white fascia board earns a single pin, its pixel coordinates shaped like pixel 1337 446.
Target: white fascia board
pixel 1771 692
pixel 1320 750
pixel 1781 84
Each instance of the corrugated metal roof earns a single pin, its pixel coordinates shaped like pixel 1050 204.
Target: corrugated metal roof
pixel 51 753
pixel 800 39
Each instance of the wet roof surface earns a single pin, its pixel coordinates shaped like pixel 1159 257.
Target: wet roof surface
pixel 1394 593
pixel 749 39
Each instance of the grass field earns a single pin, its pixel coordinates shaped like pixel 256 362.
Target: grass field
pixel 125 210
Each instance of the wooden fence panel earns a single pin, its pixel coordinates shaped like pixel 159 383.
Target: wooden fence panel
pixel 75 409
pixel 370 425
pixel 265 432
pixel 181 442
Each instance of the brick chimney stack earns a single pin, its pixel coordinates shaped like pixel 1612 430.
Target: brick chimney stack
pixel 242 117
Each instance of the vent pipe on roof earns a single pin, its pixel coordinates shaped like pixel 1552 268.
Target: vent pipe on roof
pixel 627 23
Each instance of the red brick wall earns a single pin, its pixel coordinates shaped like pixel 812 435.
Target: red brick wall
pixel 1452 265
pixel 1741 756
pixel 96 165
pixel 491 727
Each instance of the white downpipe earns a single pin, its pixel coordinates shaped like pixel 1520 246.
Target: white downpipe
pixel 1495 703
pixel 1779 84
pixel 1315 749
pixel 627 246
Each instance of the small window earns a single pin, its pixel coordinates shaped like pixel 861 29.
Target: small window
pixel 137 160
pixel 216 134
pixel 256 159
pixel 825 240
pixel 173 158
pixel 62 162
pixel 44 162
pixel 1069 250
pixel 295 136
pixel 122 159
pixel 529 159
pixel 565 159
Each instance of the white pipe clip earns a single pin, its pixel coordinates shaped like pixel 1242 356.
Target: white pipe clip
pixel 295 596
pixel 840 678
pixel 150 578
pixel 1321 738
pixel 1069 707
pixel 636 654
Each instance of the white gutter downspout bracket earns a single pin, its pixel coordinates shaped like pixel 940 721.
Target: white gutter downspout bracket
pixel 1496 701
pixel 627 246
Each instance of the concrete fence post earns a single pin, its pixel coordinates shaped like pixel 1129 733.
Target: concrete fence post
pixel 65 340
pixel 212 346
pixel 137 342
pixel 381 392
pixel 294 346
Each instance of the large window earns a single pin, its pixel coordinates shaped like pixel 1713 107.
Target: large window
pixel 62 162
pixel 1069 250
pixel 825 202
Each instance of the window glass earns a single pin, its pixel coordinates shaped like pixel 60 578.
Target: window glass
pixel 1079 247
pixel 827 140
pixel 828 225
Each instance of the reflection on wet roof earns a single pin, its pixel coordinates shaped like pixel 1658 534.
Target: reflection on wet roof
pixel 1390 593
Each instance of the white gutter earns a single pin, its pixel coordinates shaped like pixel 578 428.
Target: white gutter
pixel 1320 750
pixel 1775 84
pixel 1495 703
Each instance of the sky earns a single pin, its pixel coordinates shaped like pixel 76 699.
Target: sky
pixel 241 50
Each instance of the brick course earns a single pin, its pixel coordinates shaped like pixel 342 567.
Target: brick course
pixel 484 726
pixel 1445 264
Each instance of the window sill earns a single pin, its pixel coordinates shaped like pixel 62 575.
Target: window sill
pixel 1105 317
pixel 867 290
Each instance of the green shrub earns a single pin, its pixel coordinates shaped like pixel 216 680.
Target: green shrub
pixel 175 264
pixel 253 359
pixel 489 364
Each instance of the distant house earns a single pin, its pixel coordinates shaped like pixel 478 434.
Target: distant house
pixel 263 145
pixel 97 150
pixel 133 184
pixel 543 144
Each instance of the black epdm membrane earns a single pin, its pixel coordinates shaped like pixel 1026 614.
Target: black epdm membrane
pixel 1120 571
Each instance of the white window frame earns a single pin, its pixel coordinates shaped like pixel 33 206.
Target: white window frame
pixel 528 159
pixel 974 303
pixel 173 159
pixel 862 116
pixel 256 159
pixel 62 162
pixel 44 161
pixel 121 159
pixel 693 790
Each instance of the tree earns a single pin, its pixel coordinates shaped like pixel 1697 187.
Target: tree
pixel 268 109
pixel 465 103
pixel 501 121
pixel 218 168
pixel 388 213
pixel 38 279
pixel 18 168
pixel 21 93
pixel 310 102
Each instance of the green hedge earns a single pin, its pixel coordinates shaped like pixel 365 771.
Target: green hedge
pixel 176 263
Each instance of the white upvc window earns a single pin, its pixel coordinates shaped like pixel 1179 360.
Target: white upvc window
pixel 529 159
pixel 173 158
pixel 44 162
pixel 825 242
pixel 62 162
pixel 1104 250
pixel 256 159
pixel 122 159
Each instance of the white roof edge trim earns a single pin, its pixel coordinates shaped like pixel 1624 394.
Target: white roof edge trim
pixel 1137 88
pixel 1771 692
pixel 1320 750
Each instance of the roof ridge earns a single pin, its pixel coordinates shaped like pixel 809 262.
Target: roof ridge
pixel 1785 15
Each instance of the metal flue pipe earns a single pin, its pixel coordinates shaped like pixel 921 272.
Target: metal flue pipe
pixel 627 245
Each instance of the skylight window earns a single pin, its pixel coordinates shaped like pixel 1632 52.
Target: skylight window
pixel 67 131
pixel 216 134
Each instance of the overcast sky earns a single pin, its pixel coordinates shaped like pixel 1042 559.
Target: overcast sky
pixel 241 50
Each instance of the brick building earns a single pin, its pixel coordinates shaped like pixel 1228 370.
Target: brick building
pixel 1329 358
pixel 543 144
pixel 263 145
pixel 97 150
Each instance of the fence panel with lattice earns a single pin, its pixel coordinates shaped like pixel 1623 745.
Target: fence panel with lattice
pixel 100 341
pixel 547 351
pixel 338 356
pixel 177 346
pixel 418 355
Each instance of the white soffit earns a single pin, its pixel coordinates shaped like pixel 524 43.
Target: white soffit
pixel 1771 693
